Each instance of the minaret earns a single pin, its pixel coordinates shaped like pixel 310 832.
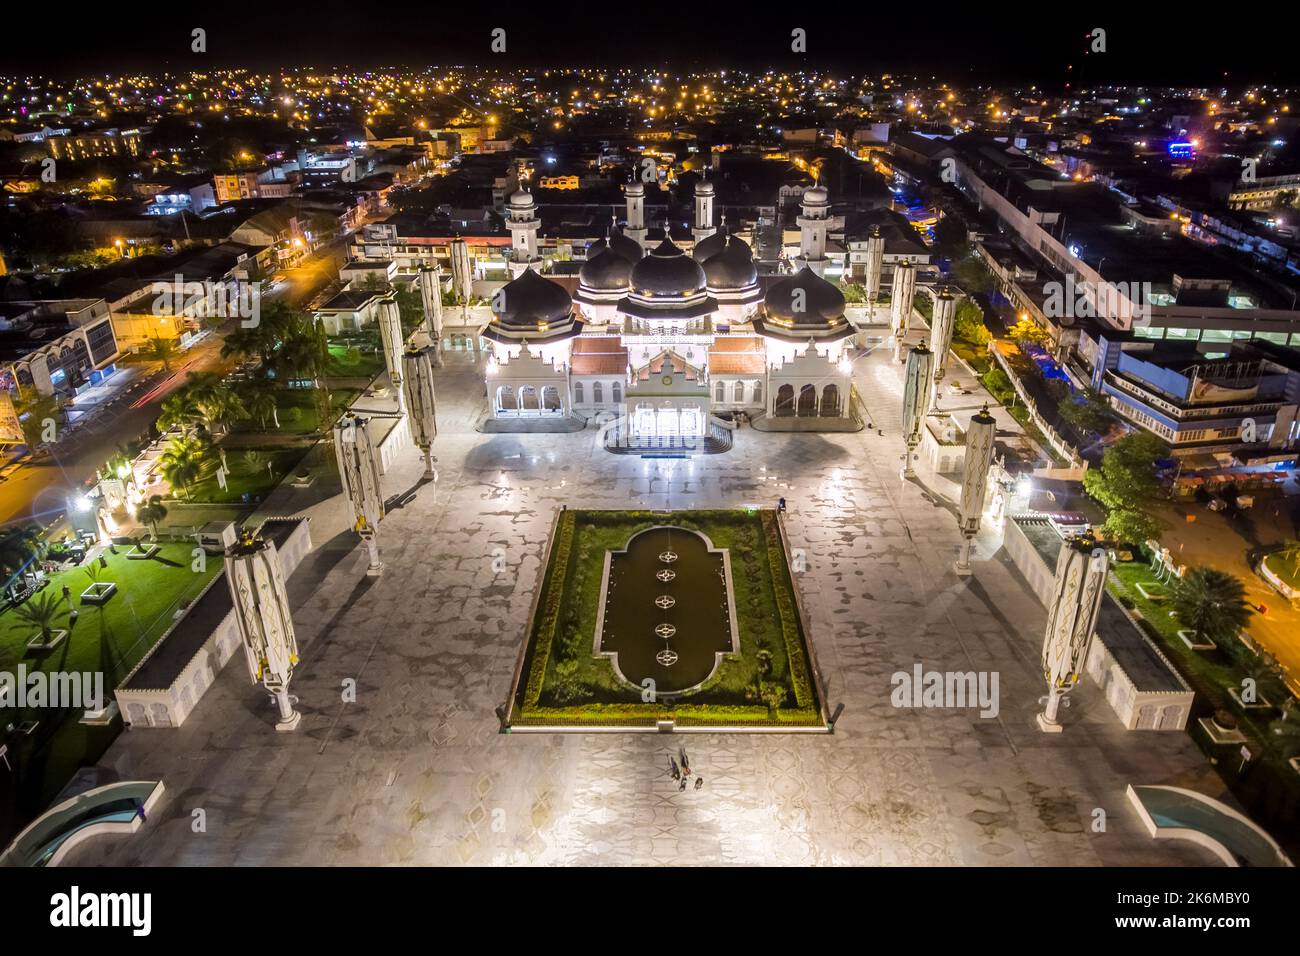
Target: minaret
pixel 635 228
pixel 875 261
pixel 522 221
pixel 703 210
pixel 813 224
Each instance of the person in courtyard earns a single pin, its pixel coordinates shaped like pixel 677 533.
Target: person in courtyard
pixel 682 785
pixel 780 505
pixel 686 764
pixel 699 783
pixel 139 810
pixel 677 774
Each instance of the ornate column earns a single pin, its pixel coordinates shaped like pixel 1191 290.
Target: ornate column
pixel 941 329
pixel 1071 622
pixel 431 300
pixel 421 411
pixel 875 262
pixel 975 481
pixel 261 605
pixel 359 471
pixel 390 332
pixel 916 392
pixel 900 304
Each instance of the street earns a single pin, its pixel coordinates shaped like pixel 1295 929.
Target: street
pixel 39 491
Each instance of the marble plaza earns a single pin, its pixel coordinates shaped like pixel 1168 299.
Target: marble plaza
pixel 415 771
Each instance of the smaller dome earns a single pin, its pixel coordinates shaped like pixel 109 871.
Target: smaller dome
pixel 704 188
pixel 711 245
pixel 607 271
pixel 635 188
pixel 530 302
pixel 732 268
pixel 815 194
pixel 521 197
pixel 820 302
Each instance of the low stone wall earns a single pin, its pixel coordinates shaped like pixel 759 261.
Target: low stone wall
pixel 169 705
pixel 1269 575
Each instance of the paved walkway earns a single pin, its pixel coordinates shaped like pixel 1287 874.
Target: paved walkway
pixel 416 772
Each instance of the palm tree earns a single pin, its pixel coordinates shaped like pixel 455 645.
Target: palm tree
pixel 256 460
pixel 163 350
pixel 18 546
pixel 151 512
pixel 1211 602
pixel 40 612
pixel 1286 730
pixel 262 405
pixel 184 460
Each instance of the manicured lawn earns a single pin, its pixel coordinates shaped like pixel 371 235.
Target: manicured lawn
pixel 564 682
pixel 110 640
pixel 1286 568
pixel 297 411
pixel 1269 789
pixel 358 358
pixel 255 480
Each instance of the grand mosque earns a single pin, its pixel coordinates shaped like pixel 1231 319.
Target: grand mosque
pixel 670 348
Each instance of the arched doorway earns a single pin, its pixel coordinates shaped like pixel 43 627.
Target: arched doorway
pixel 830 401
pixel 785 401
pixel 527 398
pixel 506 399
pixel 807 401
pixel 551 399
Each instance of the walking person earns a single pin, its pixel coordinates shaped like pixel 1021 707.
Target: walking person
pixel 686 764
pixel 682 786
pixel 699 783
pixel 677 774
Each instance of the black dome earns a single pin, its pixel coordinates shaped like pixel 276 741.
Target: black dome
pixel 823 304
pixel 530 300
pixel 667 272
pixel 732 268
pixel 709 246
pixel 628 249
pixel 607 271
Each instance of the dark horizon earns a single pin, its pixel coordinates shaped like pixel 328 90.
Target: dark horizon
pixel 959 48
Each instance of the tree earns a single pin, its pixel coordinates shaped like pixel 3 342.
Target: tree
pixel 968 324
pixel 163 350
pixel 39 416
pixel 1211 602
pixel 255 461
pixel 18 546
pixel 151 512
pixel 1088 411
pixel 184 460
pixel 1285 731
pixel 40 612
pixel 1126 485
pixel 262 405
pixel 1028 332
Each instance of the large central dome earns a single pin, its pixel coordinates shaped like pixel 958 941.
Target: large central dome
pixel 668 284
pixel 804 306
pixel 531 308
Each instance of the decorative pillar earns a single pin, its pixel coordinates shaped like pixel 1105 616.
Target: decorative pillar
pixel 875 262
pixel 431 300
pixel 261 605
pixel 359 471
pixel 1071 622
pixel 900 304
pixel 390 332
pixel 942 319
pixel 916 390
pixel 462 275
pixel 980 437
pixel 417 383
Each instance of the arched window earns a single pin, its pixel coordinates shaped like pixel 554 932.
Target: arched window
pixel 830 401
pixel 738 392
pixel 758 393
pixel 617 390
pixel 597 393
pixel 785 400
pixel 577 393
pixel 719 392
pixel 808 401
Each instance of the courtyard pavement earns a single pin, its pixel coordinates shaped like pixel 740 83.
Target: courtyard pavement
pixel 415 770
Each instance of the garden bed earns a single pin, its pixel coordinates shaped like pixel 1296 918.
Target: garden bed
pixel 563 681
pixel 98 593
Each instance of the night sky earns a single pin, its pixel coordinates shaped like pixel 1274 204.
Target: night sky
pixel 1011 42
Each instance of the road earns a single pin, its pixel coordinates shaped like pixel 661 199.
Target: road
pixel 1233 544
pixel 40 491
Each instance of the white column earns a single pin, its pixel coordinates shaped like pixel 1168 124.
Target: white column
pixel 916 391
pixel 900 303
pixel 1072 614
pixel 358 459
pixel 941 329
pixel 390 332
pixel 980 437
pixel 261 605
pixel 417 382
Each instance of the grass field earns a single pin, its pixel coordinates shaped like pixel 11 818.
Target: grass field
pixel 110 640
pixel 247 477
pixel 565 683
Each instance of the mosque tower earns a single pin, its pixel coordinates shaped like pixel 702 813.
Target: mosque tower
pixel 703 210
pixel 635 229
pixel 813 224
pixel 522 221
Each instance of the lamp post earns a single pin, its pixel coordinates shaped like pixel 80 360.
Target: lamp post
pixel 261 605
pixel 359 471
pixel 1071 622
pixel 421 410
pixel 916 392
pixel 980 435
